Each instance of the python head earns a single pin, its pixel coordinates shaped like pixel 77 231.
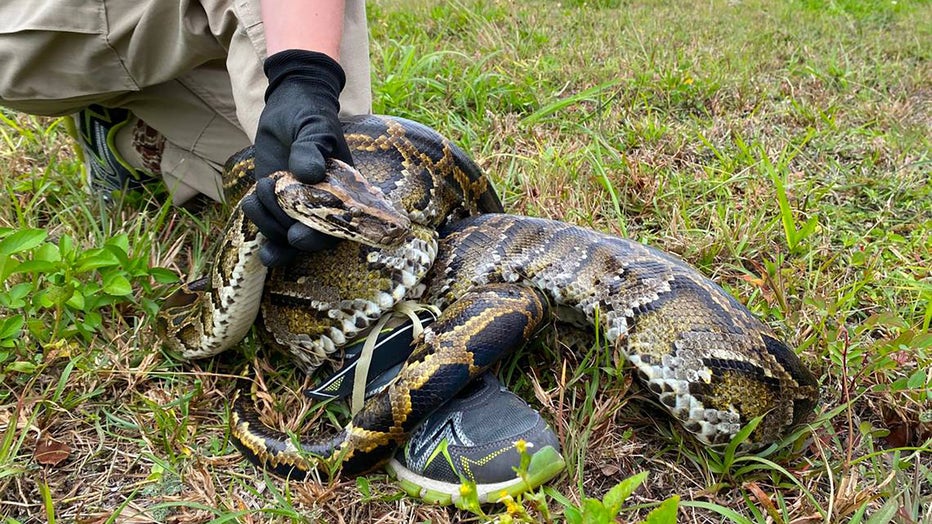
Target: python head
pixel 344 205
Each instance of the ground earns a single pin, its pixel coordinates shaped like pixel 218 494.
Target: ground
pixel 782 148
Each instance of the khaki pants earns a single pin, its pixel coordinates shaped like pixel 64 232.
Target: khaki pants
pixel 169 62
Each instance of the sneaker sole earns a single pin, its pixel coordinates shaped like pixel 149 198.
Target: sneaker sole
pixel 545 464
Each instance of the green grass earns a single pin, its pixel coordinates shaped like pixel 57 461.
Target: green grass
pixel 782 148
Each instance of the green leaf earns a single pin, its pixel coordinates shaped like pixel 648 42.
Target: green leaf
pixel 156 472
pixel 11 327
pixel 14 298
pixel 48 253
pixel 897 385
pixel 34 267
pixel 95 259
pixel 728 513
pixel 117 285
pixel 120 242
pixel 22 240
pixel 89 288
pixel 595 512
pixel 41 298
pixel 554 107
pixel 886 513
pixel 39 327
pixel 572 515
pixel 21 367
pixel 362 484
pixel 77 300
pixel 738 439
pixel 917 380
pixel 66 246
pixel 808 228
pixel 8 264
pixel 56 295
pixel 163 276
pixel 92 321
pixel 618 494
pixel 149 306
pixel 665 513
pixel 858 516
pixel 922 341
pixel 120 254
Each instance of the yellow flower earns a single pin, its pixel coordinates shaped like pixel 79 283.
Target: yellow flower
pixel 465 490
pixel 521 445
pixel 512 507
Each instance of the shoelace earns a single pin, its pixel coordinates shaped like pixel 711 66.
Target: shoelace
pixel 361 373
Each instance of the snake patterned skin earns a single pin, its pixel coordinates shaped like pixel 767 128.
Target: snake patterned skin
pixel 497 279
pixel 314 306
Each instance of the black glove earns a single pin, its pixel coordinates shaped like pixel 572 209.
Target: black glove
pixel 298 130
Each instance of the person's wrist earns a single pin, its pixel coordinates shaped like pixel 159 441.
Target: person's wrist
pixel 300 63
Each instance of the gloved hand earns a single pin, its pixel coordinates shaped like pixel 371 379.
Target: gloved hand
pixel 298 130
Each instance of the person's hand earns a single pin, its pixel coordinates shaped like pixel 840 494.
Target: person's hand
pixel 299 129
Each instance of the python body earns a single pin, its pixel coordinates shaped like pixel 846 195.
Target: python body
pixel 429 230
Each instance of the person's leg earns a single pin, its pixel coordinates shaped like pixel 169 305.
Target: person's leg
pixel 196 116
pixel 209 113
pixel 56 59
pixel 169 63
pixel 356 98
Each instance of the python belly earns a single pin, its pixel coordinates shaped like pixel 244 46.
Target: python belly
pixel 429 228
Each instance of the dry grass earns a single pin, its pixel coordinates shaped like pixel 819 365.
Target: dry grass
pixel 703 114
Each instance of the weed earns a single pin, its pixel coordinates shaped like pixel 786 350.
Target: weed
pixel 783 148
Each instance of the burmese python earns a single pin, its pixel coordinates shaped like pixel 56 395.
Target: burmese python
pixel 429 229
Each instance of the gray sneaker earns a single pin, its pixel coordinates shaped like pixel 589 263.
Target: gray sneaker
pixel 475 439
pixel 95 131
